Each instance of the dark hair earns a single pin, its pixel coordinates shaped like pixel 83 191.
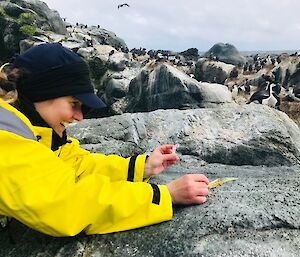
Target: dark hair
pixel 8 79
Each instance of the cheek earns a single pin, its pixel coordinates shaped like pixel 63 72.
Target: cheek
pixel 66 113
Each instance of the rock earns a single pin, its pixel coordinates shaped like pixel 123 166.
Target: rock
pixel 104 50
pixel 56 38
pixel 114 90
pixel 97 66
pixel 74 46
pixel 229 134
pixel 9 37
pixel 39 18
pixel 165 87
pixel 86 52
pixel 256 215
pixel 212 71
pixel 225 53
pixel 12 9
pixel 106 37
pixel 25 44
pixel 51 17
pixel 191 53
pixel 118 61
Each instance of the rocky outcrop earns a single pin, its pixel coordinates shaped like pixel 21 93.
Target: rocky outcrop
pixel 51 18
pixel 212 71
pixel 256 215
pixel 191 53
pixel 106 37
pixel 225 53
pixel 165 87
pixel 234 135
pixel 21 19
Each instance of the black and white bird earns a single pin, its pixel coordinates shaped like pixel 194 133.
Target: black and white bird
pixel 293 94
pixel 267 96
pixel 234 91
pixel 122 5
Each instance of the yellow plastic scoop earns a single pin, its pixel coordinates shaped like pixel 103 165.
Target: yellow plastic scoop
pixel 219 182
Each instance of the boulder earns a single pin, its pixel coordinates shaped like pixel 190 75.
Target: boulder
pixel 52 20
pixel 165 87
pixel 229 134
pixel 225 53
pixel 21 19
pixel 256 215
pixel 118 61
pixel 212 71
pixel 191 53
pixel 106 37
pixel 114 90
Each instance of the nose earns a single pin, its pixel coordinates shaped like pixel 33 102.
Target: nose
pixel 78 115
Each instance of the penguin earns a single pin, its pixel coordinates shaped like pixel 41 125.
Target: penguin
pixel 111 52
pixel 266 96
pixel 234 91
pixel 296 90
pixel 291 97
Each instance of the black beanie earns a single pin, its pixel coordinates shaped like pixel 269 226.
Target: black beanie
pixel 52 71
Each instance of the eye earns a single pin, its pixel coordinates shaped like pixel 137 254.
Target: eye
pixel 75 105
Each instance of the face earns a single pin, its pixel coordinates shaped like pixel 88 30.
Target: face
pixel 60 112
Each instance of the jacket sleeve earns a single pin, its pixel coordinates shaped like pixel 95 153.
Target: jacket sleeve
pixel 115 167
pixel 42 191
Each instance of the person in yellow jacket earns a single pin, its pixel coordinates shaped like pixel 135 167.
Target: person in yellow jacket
pixel 51 184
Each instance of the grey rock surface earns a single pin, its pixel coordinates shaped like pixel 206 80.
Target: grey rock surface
pixel 256 215
pixel 226 53
pixel 229 134
pixel 106 37
pixel 165 87
pixel 52 18
pixel 212 71
pixel 42 17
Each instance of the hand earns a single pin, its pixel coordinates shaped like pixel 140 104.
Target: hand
pixel 189 189
pixel 161 158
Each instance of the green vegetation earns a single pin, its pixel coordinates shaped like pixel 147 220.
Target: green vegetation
pixel 26 19
pixel 28 30
pixel 2 12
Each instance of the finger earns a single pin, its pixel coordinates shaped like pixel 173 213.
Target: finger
pixel 199 199
pixel 170 157
pixel 202 191
pixel 202 185
pixel 169 163
pixel 166 148
pixel 200 178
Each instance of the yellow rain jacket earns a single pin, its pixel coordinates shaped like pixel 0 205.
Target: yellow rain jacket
pixel 64 192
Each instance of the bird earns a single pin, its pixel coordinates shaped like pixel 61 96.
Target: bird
pixel 121 5
pixel 267 96
pixel 234 91
pixel 293 94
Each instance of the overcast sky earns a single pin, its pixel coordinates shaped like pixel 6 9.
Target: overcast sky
pixel 179 25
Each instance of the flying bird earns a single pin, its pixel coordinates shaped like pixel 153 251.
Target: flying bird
pixel 121 5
